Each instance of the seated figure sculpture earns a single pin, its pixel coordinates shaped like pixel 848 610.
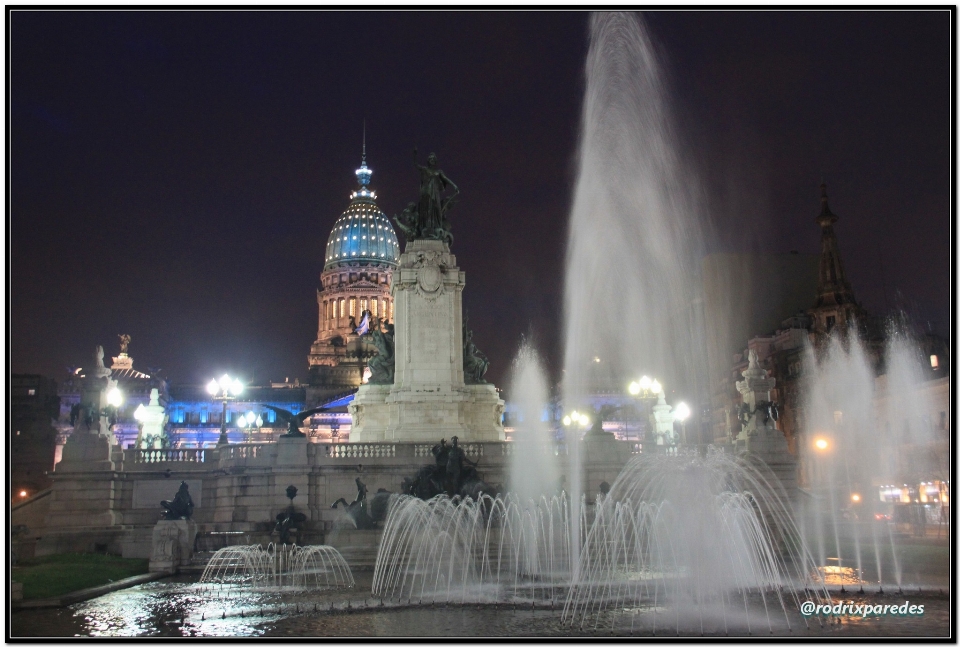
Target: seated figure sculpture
pixel 182 505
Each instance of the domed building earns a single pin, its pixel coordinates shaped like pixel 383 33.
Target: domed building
pixel 361 255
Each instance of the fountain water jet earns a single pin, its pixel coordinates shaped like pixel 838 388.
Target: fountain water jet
pixel 635 236
pixel 533 471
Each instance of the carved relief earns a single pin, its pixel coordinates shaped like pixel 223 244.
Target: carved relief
pixel 431 266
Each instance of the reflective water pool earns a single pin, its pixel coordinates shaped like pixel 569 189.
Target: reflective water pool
pixel 175 607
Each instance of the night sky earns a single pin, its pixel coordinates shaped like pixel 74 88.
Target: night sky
pixel 174 175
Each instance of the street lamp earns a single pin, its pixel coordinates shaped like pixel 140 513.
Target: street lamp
pixel 576 419
pixel 681 412
pixel 821 444
pixel 248 421
pixel 224 390
pixel 645 389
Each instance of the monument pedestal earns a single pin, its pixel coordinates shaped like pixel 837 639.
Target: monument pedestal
pixel 759 438
pixel 429 398
pixel 172 544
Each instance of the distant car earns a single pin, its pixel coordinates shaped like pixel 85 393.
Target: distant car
pixel 882 517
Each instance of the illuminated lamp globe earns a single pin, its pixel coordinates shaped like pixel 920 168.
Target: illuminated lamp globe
pixel 634 388
pixel 682 412
pixel 645 383
pixel 114 397
pixel 213 387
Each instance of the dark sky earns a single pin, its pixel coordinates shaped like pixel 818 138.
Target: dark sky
pixel 174 174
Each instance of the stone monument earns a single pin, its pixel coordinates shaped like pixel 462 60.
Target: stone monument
pixel 174 534
pixel 152 419
pixel 429 396
pixel 759 436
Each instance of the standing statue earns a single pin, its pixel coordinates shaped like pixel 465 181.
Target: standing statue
pixel 182 505
pixel 383 364
pixel 427 218
pixel 124 343
pixel 294 421
pixel 431 208
pixel 475 363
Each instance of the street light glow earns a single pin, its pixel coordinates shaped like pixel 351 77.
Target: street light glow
pixel 855 498
pixel 567 420
pixel 634 388
pixel 821 444
pixel 682 411
pixel 213 387
pixel 114 397
pixel 655 387
pixel 645 383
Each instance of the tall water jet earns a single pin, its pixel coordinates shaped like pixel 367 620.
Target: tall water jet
pixel 533 467
pixel 635 236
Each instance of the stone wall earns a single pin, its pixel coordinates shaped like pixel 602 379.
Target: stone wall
pixel 239 490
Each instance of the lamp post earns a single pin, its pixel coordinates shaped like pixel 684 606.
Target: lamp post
pixel 645 390
pixel 576 419
pixel 224 390
pixel 681 412
pixel 248 421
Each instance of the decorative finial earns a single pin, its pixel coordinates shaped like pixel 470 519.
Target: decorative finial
pixel 363 173
pixel 826 217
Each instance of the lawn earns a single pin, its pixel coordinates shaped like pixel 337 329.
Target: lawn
pixel 54 575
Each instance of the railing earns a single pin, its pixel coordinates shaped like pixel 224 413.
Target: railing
pixel 233 452
pixel 194 455
pixel 553 449
pixel 361 450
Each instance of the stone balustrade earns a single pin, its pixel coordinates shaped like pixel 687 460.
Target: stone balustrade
pixel 150 456
pixel 361 450
pixel 553 449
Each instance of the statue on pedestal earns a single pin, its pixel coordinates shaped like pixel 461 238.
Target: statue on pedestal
pixel 182 505
pixel 427 218
pixel 475 363
pixel 382 365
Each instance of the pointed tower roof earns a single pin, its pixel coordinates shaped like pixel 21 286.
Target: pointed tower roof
pixel 832 286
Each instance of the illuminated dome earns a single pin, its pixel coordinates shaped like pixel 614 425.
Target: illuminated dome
pixel 363 235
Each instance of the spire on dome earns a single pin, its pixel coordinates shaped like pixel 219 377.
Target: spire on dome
pixel 363 173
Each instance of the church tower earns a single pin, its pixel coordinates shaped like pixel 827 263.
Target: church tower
pixel 359 261
pixel 835 307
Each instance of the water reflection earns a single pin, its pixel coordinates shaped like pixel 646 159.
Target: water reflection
pixel 173 607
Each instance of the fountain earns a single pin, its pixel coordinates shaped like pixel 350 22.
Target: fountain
pixel 533 471
pixel 279 568
pixel 853 447
pixel 701 534
pixel 488 550
pixel 689 537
